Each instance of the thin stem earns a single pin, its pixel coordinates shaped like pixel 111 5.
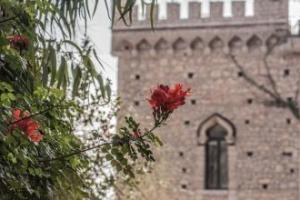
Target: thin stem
pixel 76 152
pixel 35 114
pixel 8 19
pixel 121 142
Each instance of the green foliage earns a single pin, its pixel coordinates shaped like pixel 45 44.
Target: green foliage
pixel 24 173
pixel 48 79
pixel 6 95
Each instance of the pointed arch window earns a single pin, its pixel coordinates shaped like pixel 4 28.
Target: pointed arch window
pixel 216 158
pixel 216 134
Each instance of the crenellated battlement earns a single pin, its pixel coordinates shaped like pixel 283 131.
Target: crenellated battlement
pixel 198 8
pixel 174 13
pixel 217 22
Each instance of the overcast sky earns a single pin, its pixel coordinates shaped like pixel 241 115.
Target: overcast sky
pixel 100 33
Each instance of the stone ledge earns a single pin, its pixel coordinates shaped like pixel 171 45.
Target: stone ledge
pixel 199 24
pixel 215 192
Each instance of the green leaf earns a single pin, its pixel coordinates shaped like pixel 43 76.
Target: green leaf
pixel 45 74
pixel 53 61
pixel 101 85
pixel 109 157
pixel 3 41
pixel 77 79
pixel 12 158
pixel 62 73
pixel 74 162
pixel 73 44
pixel 114 151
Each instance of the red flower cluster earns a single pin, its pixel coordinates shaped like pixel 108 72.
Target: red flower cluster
pixel 168 99
pixel 19 42
pixel 30 127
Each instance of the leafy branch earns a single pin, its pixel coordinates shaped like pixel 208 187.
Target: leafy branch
pixel 119 142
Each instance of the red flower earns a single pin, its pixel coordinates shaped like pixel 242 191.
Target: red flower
pixel 20 119
pixel 20 42
pixel 34 135
pixel 30 127
pixel 16 114
pixel 168 99
pixel 137 134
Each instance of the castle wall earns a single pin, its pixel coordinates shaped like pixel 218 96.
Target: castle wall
pixel 264 158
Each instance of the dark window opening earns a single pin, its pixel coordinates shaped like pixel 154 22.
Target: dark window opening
pixel 290 99
pixel 181 154
pixel 265 186
pixel 216 159
pixel 287 154
pixel 286 72
pixel 126 47
pixel 250 101
pixel 249 153
pixel 190 75
pixel 187 122
pixel 240 74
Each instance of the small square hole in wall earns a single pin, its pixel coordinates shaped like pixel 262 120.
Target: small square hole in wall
pixel 249 153
pixel 183 170
pixel 136 103
pixel 126 47
pixel 287 154
pixel 288 121
pixel 190 75
pixel 240 74
pixel 193 101
pixel 292 171
pixel 265 186
pixel 137 77
pixel 250 101
pixel 181 154
pixel 247 121
pixel 286 72
pixel 184 186
pixel 289 99
pixel 187 122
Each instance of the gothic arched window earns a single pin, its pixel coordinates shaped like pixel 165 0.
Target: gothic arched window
pixel 216 158
pixel 217 135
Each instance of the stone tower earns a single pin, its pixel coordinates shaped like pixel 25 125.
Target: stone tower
pixel 225 143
